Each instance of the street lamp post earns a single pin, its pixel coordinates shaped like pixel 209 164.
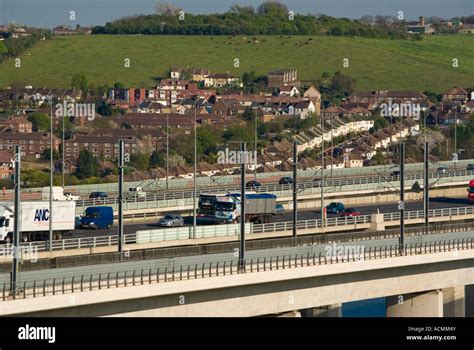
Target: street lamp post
pixel 51 181
pixel 167 148
pixel 194 177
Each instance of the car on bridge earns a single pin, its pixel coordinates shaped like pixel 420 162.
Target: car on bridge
pixel 253 184
pixel 335 208
pixel 286 180
pixel 442 170
pixel 171 220
pixel 100 195
pixel 351 212
pixel 279 209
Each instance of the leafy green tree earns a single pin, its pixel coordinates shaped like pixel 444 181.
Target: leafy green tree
pixel 47 153
pixel 86 165
pixel 140 161
pixel 39 121
pixel 156 160
pixel 79 81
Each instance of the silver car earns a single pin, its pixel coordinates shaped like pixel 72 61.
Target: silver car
pixel 171 220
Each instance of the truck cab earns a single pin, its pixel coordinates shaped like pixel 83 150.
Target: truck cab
pixel 6 226
pixel 136 192
pixel 470 191
pixel 97 217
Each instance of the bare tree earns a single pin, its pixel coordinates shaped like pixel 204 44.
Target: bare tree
pixel 167 9
pixel 433 137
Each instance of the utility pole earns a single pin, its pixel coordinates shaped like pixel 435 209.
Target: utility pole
pixel 51 180
pixel 120 198
pixel 322 173
pixel 243 159
pixel 62 151
pixel 194 177
pixel 256 149
pixel 16 228
pixel 332 149
pixel 456 133
pixel 295 187
pixel 401 205
pixel 167 147
pixel 426 187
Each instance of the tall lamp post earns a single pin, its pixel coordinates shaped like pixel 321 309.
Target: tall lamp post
pixel 51 181
pixel 195 163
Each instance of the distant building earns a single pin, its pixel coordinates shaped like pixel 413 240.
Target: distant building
pixel 456 95
pixel 282 77
pixel 31 145
pixel 220 80
pixel 16 124
pixel 420 27
pixel 64 30
pixel 7 165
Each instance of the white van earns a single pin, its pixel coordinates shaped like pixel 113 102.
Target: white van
pixel 58 194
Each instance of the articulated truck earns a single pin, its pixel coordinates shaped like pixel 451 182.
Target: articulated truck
pixel 34 220
pixel 225 208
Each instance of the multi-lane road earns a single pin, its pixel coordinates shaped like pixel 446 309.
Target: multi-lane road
pixel 436 203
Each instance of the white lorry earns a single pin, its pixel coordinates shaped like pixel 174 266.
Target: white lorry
pixel 58 194
pixel 34 220
pixel 135 193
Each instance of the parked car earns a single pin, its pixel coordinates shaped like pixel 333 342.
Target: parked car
pixel 395 173
pixel 286 180
pixel 335 208
pixel 98 195
pixel 470 167
pixel 279 209
pixel 171 220
pixel 253 184
pixel 443 170
pixel 351 212
pixel 97 217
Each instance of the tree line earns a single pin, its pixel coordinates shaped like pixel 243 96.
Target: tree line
pixel 270 18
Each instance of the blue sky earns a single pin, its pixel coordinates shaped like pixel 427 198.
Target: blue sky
pixel 49 13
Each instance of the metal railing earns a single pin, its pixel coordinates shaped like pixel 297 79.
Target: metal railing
pixel 210 231
pixel 75 284
pixel 182 199
pixel 432 213
pixel 219 248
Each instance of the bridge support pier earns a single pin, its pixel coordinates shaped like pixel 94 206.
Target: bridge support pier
pixel 454 302
pixel 377 223
pixel 426 304
pixel 334 310
pixel 295 313
pixel 469 300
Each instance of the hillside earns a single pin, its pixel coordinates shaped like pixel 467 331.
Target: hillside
pixel 374 63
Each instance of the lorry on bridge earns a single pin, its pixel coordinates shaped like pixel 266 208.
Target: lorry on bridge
pixel 34 220
pixel 470 191
pixel 225 208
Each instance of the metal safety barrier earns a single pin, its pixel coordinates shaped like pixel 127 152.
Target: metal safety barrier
pixel 83 283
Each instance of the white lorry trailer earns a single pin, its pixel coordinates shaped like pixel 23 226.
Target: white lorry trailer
pixel 34 220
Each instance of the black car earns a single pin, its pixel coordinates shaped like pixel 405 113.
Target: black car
pixel 286 180
pixel 253 184
pixel 98 195
pixel 395 173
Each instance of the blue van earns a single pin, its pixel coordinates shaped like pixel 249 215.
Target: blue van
pixel 98 217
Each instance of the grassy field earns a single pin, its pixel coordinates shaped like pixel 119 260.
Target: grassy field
pixel 375 64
